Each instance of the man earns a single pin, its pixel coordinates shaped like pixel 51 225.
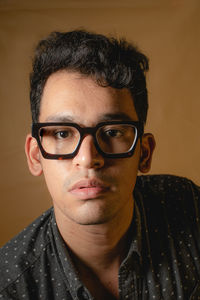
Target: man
pixel 110 234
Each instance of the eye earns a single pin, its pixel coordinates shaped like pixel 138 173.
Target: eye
pixel 113 133
pixel 62 134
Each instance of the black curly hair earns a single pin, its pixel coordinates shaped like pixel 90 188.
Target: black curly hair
pixel 109 61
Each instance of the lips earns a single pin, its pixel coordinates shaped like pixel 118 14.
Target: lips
pixel 89 188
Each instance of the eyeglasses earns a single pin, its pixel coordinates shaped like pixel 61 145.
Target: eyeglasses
pixel 62 140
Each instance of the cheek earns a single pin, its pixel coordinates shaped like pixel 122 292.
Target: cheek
pixel 124 173
pixel 128 170
pixel 130 165
pixel 56 174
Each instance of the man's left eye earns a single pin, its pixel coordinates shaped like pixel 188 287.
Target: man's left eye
pixel 113 133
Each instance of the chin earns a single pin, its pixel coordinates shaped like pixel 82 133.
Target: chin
pixel 94 215
pixel 91 222
pixel 90 219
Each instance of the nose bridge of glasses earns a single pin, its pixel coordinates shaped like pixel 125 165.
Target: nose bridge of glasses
pixel 84 131
pixel 91 142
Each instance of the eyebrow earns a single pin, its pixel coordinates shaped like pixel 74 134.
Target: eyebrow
pixel 106 117
pixel 116 117
pixel 60 118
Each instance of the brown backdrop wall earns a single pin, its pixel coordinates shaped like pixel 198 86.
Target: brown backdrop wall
pixel 167 31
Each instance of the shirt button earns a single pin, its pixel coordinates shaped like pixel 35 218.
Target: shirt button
pixel 85 295
pixel 82 294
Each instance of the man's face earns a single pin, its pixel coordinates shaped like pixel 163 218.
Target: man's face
pixel 88 189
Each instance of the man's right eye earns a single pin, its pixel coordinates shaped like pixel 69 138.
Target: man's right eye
pixel 62 134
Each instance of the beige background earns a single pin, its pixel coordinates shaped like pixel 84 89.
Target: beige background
pixel 168 31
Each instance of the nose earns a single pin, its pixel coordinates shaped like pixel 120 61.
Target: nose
pixel 88 156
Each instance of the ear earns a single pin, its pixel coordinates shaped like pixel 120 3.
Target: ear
pixel 33 156
pixel 147 147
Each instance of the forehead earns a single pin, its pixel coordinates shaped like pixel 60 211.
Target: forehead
pixel 70 96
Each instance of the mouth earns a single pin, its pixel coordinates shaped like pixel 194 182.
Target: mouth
pixel 89 189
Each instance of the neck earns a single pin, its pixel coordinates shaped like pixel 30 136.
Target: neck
pixel 97 246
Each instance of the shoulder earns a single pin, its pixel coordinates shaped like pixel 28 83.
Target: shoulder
pixel 170 201
pixel 20 253
pixel 168 187
pixel 162 182
pixel 169 210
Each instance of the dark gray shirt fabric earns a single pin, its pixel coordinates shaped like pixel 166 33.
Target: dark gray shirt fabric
pixel 163 261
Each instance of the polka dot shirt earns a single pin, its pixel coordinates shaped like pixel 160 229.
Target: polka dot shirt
pixel 163 260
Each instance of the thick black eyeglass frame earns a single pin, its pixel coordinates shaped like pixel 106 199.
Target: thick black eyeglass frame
pixel 83 132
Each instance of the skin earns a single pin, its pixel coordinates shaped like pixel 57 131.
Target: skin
pixel 93 228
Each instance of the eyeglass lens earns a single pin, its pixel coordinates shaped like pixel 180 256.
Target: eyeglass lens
pixel 112 139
